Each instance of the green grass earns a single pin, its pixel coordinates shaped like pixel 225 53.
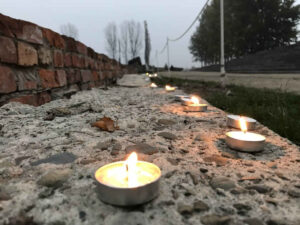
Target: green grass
pixel 280 111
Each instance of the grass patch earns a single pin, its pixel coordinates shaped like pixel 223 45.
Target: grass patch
pixel 280 111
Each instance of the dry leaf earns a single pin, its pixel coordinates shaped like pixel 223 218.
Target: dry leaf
pixel 106 124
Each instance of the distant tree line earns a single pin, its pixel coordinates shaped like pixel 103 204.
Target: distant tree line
pixel 126 43
pixel 250 26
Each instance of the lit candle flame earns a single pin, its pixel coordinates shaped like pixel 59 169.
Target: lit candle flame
pixel 195 100
pixel 243 124
pixel 131 169
pixel 153 85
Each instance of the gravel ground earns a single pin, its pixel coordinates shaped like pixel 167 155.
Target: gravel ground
pixel 48 156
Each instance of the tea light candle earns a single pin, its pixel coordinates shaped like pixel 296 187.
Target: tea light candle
pixel 193 105
pixel 170 88
pixel 245 141
pixel 234 121
pixel 129 182
pixel 181 97
pixel 153 85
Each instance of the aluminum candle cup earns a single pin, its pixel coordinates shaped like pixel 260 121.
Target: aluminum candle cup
pixel 245 142
pixel 233 121
pixel 196 108
pixel 181 97
pixel 117 186
pixel 193 105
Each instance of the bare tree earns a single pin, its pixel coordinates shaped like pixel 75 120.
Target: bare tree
pixel 147 45
pixel 135 38
pixel 70 30
pixel 111 39
pixel 124 40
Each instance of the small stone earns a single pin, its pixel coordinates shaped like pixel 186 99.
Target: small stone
pixel 141 148
pixel 294 193
pixel 259 188
pixel 54 178
pixel 166 122
pixel 170 174
pixel 214 219
pixel 184 208
pixel 238 190
pixel 60 111
pixel 271 165
pixel 46 193
pixel 242 208
pixel 4 195
pixel 62 158
pixel 87 161
pixel 117 147
pixel 167 135
pixel 20 159
pixel 174 162
pixel 223 183
pixel 280 175
pixel 200 206
pixel 203 170
pixel 229 155
pixel 219 160
pixel 198 138
pixel 103 145
pixel 253 221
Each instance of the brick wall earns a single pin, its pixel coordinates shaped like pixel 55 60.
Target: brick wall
pixel 38 65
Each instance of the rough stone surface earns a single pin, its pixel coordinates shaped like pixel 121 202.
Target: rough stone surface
pixel 27 55
pixel 60 197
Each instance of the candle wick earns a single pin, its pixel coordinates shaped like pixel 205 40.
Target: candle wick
pixel 126 167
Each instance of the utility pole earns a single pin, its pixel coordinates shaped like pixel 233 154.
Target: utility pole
pixel 156 56
pixel 223 72
pixel 168 55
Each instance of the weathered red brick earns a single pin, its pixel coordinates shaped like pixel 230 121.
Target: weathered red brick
pixel 58 58
pixel 43 98
pixel 61 77
pixel 70 44
pixel 73 76
pixel 76 61
pixel 81 48
pixel 8 51
pixel 47 78
pixel 5 21
pixel 26 99
pixel 27 54
pixel 27 79
pixel 54 39
pixel 68 60
pixel 95 75
pixel 86 76
pixel 45 56
pixel 82 61
pixel 29 32
pixel 91 53
pixel 7 80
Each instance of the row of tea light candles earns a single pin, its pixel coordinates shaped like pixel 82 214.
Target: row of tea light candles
pixel 134 182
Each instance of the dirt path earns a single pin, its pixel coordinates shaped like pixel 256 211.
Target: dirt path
pixel 285 82
pixel 48 156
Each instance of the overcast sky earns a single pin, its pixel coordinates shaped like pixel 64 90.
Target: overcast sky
pixel 165 18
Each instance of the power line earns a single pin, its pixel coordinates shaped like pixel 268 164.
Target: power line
pixel 195 20
pixel 187 30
